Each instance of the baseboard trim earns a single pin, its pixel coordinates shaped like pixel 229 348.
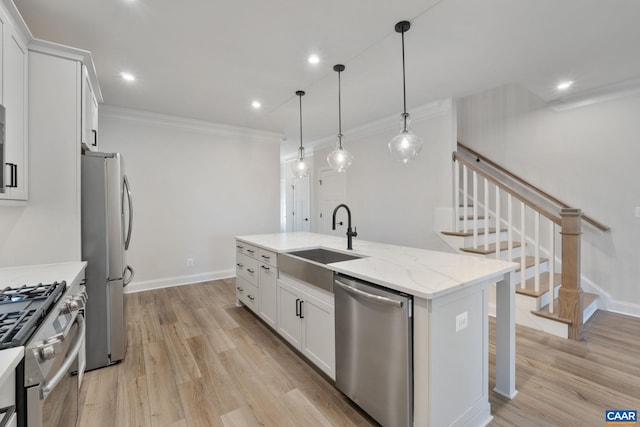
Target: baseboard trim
pixel 623 307
pixel 147 285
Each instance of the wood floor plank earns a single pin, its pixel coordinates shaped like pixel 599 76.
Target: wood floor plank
pixel 199 410
pixel 302 410
pixel 224 392
pixel 164 399
pixel 181 361
pixel 241 417
pixel 195 359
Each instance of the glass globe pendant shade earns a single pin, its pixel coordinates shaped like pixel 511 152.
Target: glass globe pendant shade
pixel 339 159
pixel 300 167
pixel 406 145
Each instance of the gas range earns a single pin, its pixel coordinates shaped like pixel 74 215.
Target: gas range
pixel 48 321
pixel 23 309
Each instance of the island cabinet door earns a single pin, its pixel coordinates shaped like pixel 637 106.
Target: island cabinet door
pixel 318 337
pixel 268 294
pixel 289 321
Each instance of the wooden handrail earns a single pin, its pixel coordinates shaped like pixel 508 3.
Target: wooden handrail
pixel 561 204
pixel 555 217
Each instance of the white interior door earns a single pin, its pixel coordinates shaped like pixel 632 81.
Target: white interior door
pixel 301 219
pixel 333 191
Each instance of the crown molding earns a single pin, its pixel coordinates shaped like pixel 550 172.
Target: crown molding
pixel 418 115
pixel 193 125
pixel 594 96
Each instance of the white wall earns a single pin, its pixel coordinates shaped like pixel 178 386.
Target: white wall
pixel 195 186
pixel 392 202
pixel 586 157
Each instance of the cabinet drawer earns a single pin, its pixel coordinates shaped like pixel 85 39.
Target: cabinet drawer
pixel 250 250
pixel 268 257
pixel 247 268
pixel 240 246
pixel 248 294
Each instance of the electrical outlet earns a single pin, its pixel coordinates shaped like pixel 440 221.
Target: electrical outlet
pixel 462 321
pixel 637 211
pixel 189 262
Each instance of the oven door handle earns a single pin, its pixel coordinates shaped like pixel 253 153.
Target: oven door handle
pixel 73 353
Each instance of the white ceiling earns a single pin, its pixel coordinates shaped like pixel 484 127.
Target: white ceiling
pixel 208 59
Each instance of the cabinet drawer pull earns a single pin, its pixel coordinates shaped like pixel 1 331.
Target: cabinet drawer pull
pixel 239 265
pixel 14 175
pixel 95 137
pixel 266 257
pixel 250 270
pixel 239 289
pixel 251 297
pixel 251 251
pixel 297 308
pixel 239 246
pixel 301 313
pixel 265 267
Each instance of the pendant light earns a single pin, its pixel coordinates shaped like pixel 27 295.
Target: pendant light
pixel 300 167
pixel 339 159
pixel 406 145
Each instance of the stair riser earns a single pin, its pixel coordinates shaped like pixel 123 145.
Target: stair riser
pixel 544 299
pixel 531 271
pixel 470 224
pixel 469 211
pixel 468 241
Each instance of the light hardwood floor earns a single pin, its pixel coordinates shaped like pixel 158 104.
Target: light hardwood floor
pixel 194 359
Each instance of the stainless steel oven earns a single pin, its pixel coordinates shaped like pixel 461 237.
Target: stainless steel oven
pixel 52 362
pixel 54 401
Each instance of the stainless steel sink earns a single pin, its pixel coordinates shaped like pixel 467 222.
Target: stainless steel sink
pixel 324 256
pixel 309 265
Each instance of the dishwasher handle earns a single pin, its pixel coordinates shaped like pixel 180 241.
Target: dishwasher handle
pixel 367 295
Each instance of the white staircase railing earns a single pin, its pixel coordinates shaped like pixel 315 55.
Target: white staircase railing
pixel 537 211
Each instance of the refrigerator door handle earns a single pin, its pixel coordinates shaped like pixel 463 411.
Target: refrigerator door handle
pixel 126 189
pixel 132 273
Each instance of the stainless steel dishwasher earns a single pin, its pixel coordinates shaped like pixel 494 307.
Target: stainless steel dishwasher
pixel 374 349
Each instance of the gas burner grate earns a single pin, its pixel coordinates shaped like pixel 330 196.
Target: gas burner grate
pixel 23 309
pixel 27 292
pixel 17 326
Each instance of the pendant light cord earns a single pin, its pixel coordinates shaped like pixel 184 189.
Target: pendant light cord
pixel 339 114
pixel 404 87
pixel 300 96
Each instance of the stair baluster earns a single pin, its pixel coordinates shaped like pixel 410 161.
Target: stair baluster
pixel 523 240
pixel 497 223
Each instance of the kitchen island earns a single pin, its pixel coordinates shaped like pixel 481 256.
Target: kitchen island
pixel 450 319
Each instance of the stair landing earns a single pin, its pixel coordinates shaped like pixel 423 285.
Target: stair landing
pixel 589 299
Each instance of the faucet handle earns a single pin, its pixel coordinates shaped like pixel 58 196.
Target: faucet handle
pixel 355 232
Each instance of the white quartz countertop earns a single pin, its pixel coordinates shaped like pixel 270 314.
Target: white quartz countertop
pixel 41 273
pixel 419 272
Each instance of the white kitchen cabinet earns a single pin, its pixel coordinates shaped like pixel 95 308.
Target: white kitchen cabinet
pixel 256 276
pixel 89 113
pixel 14 97
pixel 268 284
pixel 306 320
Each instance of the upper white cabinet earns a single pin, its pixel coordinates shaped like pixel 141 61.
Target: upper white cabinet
pixel 14 96
pixel 89 113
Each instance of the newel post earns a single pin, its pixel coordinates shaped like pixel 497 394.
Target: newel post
pixel 570 298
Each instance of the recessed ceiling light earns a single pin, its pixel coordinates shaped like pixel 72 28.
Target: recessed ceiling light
pixel 256 104
pixel 314 59
pixel 564 85
pixel 127 76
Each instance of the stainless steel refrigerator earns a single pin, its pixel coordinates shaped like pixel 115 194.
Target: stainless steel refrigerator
pixel 107 219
